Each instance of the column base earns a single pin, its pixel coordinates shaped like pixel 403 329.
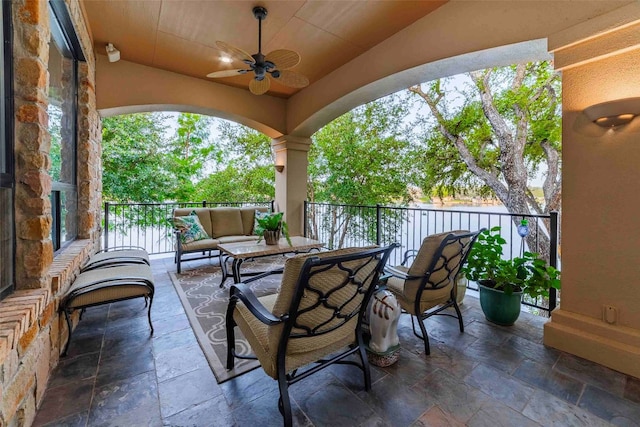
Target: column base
pixel 616 347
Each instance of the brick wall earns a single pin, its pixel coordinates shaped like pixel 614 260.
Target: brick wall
pixel 32 331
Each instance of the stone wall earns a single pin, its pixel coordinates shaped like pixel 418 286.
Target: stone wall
pixel 32 331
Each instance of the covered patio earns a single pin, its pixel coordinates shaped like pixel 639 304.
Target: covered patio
pixel 116 374
pixel 352 52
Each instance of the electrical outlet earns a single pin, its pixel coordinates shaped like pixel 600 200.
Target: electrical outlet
pixel 609 314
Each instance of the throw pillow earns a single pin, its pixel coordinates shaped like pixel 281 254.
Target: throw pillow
pixel 190 228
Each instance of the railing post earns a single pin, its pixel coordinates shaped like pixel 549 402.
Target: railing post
pixel 106 225
pixel 305 218
pixel 204 203
pixel 553 254
pixel 378 221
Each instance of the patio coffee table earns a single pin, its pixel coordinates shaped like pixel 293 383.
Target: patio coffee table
pixel 241 251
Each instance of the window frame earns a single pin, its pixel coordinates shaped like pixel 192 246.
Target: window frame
pixel 66 40
pixel 7 171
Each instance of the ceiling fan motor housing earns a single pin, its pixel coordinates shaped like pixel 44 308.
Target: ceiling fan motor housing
pixel 259 12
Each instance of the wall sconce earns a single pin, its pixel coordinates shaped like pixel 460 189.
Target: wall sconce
pixel 279 168
pixel 112 53
pixel 614 113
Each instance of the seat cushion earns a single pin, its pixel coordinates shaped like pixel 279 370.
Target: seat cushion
pixel 233 239
pixel 109 284
pixel 257 333
pixel 201 245
pixel 226 222
pixel 430 298
pixel 114 256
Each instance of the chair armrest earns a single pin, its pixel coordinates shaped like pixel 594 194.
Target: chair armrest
pixel 394 272
pixel 244 293
pixel 411 253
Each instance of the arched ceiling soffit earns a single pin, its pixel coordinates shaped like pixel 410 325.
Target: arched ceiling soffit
pixel 455 38
pixel 124 87
pixel 131 109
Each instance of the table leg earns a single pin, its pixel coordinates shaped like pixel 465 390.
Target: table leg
pixel 223 267
pixel 235 267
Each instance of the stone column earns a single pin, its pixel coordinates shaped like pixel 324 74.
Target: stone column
pixel 291 183
pixel 599 318
pixel 34 250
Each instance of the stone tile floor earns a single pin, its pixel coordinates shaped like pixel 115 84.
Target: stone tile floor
pixel 117 375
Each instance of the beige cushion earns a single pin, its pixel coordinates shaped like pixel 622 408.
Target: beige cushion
pixel 116 255
pixel 233 239
pixel 257 333
pixel 321 314
pixel 201 245
pixel 423 259
pixel 430 298
pixel 226 222
pixel 110 284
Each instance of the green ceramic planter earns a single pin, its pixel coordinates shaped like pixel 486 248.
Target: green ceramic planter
pixel 498 307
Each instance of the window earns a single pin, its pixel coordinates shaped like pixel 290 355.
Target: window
pixel 63 90
pixel 6 155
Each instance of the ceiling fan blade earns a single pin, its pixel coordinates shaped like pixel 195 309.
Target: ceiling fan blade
pixel 283 58
pixel 292 79
pixel 226 73
pixel 258 87
pixel 235 52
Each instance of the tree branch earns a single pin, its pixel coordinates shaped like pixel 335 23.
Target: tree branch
pixel 491 180
pixel 551 185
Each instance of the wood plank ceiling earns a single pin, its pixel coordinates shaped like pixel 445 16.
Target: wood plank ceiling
pixel 180 36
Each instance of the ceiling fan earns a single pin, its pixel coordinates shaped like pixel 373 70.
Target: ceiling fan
pixel 276 63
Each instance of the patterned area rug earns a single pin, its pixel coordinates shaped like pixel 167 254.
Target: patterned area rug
pixel 206 304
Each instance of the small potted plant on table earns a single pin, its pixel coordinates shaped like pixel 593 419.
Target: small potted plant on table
pixel 270 226
pixel 502 282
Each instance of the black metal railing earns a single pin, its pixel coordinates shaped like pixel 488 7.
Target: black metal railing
pixel 357 225
pixel 147 225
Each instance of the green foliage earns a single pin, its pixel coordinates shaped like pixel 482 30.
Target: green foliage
pixel 532 109
pixel 363 157
pixel 189 151
pixel 133 159
pixel 528 273
pixel 272 222
pixel 244 170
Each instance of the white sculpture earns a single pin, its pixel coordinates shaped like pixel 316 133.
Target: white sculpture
pixel 384 312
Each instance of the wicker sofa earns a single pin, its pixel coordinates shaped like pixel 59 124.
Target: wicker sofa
pixel 222 224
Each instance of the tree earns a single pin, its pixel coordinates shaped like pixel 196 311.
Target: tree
pixel 244 169
pixel 507 130
pixel 361 158
pixel 189 151
pixel 133 159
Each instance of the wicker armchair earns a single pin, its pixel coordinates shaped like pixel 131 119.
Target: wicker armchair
pixel 428 286
pixel 315 318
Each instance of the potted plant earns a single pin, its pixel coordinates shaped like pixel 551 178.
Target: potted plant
pixel 270 226
pixel 502 281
